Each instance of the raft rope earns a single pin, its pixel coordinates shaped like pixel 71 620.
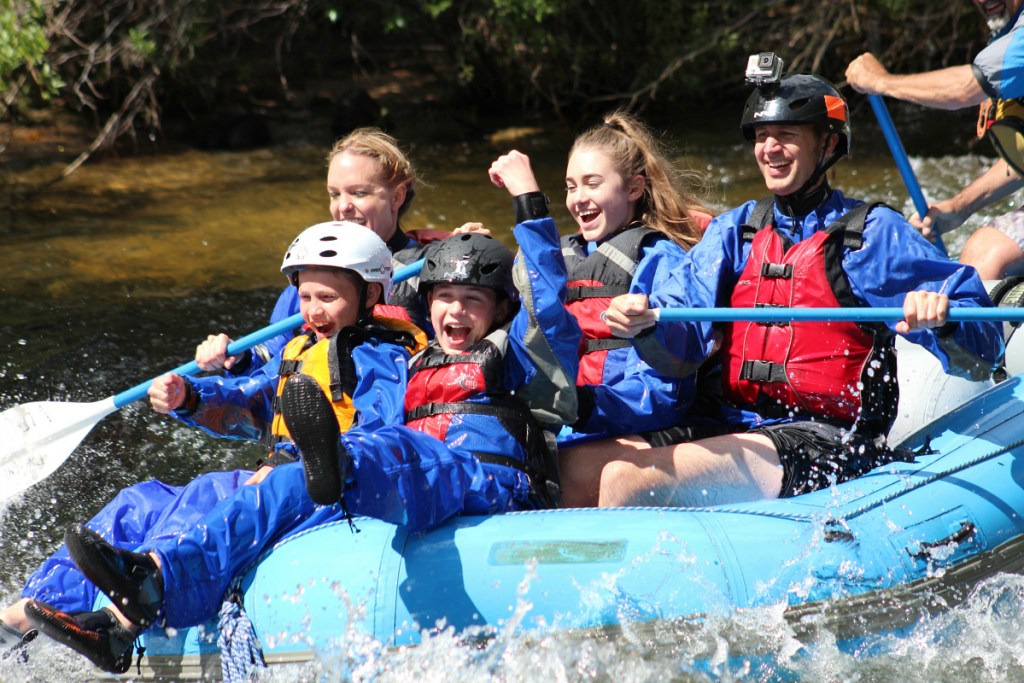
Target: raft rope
pixel 967 464
pixel 241 657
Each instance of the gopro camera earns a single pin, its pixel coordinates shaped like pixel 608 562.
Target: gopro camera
pixel 764 69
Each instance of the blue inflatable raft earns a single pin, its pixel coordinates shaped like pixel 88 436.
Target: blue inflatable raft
pixel 873 555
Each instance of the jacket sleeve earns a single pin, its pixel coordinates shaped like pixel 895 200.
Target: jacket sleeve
pixel 382 376
pixel 544 338
pixel 634 397
pixel 894 260
pixel 999 68
pixel 234 407
pixel 702 279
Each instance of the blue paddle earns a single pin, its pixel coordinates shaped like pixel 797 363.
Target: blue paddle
pixel 778 315
pixel 39 436
pixel 902 162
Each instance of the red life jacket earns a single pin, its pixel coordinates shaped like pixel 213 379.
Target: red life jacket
pixel 818 369
pixel 594 279
pixel 440 386
pixel 392 311
pixel 440 383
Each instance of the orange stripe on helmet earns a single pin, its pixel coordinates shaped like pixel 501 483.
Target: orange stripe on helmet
pixel 836 107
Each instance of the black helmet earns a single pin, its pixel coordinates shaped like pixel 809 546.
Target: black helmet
pixel 469 259
pixel 799 99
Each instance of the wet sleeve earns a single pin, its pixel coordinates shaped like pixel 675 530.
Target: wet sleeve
pixel 894 260
pixel 544 338
pixel 234 407
pixel 677 349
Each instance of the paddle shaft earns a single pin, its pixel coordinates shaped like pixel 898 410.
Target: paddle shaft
pixel 778 315
pixel 248 341
pixel 902 162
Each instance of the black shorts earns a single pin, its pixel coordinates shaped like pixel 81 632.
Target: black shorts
pixel 815 455
pixel 686 433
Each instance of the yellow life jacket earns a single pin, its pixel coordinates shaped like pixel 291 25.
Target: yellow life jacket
pixel 1002 122
pixel 329 361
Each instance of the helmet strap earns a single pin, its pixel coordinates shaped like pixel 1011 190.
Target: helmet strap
pixel 364 312
pixel 814 192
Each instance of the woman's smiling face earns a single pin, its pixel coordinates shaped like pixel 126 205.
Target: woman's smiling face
pixel 359 195
pixel 597 195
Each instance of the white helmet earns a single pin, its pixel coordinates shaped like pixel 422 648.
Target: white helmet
pixel 340 244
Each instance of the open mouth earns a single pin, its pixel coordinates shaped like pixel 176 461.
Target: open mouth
pixel 457 335
pixel 778 168
pixel 322 329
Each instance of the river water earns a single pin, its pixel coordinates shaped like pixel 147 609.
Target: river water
pixel 114 275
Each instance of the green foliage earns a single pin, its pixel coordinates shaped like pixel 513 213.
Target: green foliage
pixel 141 43
pixel 23 47
pixel 132 61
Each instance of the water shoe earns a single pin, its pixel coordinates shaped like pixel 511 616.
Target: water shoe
pixel 132 581
pixel 314 429
pixel 96 635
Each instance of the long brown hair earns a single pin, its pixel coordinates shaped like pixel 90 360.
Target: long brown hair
pixel 395 167
pixel 634 151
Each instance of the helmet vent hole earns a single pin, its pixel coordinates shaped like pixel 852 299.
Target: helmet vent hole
pixel 329 238
pixel 328 253
pixel 799 104
pixel 489 268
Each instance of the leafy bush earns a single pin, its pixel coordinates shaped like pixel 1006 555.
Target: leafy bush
pixel 127 61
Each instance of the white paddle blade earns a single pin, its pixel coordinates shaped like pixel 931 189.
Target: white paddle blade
pixel 35 438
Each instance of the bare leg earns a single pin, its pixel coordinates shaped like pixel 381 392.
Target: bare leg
pixel 579 467
pixel 722 469
pixel 993 254
pixel 15 617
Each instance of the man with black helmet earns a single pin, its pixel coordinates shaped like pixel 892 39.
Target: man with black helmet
pixel 994 81
pixel 810 402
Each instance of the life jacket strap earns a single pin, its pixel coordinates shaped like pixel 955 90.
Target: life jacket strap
pixel 777 270
pixel 504 412
pixel 594 291
pixel 590 345
pixel 763 371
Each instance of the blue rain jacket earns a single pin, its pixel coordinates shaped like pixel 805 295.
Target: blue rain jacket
pixel 893 260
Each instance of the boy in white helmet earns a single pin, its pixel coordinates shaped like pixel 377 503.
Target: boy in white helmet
pixel 342 271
